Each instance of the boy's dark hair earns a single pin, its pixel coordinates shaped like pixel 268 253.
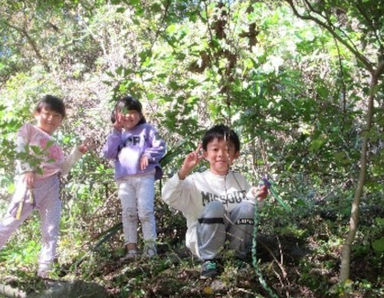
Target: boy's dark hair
pixel 128 103
pixel 52 103
pixel 221 132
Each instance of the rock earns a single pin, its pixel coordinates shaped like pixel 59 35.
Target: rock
pixel 218 286
pixel 74 289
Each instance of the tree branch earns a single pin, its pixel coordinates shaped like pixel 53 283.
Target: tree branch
pixel 368 64
pixel 31 42
pixel 312 8
pixel 344 88
pixel 374 30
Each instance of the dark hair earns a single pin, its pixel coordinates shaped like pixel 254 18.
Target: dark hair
pixel 221 132
pixel 52 103
pixel 129 103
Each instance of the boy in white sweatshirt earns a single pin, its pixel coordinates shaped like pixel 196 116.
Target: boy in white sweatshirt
pixel 218 204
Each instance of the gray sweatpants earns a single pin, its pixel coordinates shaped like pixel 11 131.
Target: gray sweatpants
pixel 216 225
pixel 47 202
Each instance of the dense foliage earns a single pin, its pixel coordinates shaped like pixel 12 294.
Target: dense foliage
pixel 300 81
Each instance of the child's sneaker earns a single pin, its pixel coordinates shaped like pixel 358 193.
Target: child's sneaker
pixel 131 255
pixel 149 250
pixel 208 269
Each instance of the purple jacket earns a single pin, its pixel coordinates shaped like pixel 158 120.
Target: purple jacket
pixel 127 147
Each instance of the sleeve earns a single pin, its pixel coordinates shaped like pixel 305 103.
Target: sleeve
pixel 178 193
pixel 72 158
pixel 252 198
pixel 21 145
pixel 249 191
pixel 157 147
pixel 111 147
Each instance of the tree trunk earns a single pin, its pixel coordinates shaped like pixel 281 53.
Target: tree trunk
pixel 375 75
pixel 354 220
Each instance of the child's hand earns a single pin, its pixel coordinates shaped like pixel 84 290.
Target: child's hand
pixel 87 145
pixel 29 179
pixel 191 160
pixel 143 162
pixel 118 124
pixel 260 193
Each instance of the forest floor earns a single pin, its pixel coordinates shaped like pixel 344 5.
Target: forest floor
pixel 298 261
pixel 177 274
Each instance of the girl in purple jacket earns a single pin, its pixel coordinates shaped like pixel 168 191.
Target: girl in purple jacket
pixel 136 149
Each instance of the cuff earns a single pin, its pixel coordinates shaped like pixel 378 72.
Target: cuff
pixel 116 132
pixel 254 199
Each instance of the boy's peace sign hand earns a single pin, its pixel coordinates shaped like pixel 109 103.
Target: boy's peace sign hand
pixel 190 161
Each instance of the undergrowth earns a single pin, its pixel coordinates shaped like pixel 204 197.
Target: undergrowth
pixel 298 254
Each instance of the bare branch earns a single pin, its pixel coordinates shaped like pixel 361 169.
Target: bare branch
pixel 361 10
pixel 31 42
pixel 343 87
pixel 368 64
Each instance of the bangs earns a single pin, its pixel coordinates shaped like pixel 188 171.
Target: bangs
pixel 51 103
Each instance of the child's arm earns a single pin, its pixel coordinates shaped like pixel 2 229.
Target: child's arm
pixel 178 191
pixel 23 166
pixel 75 155
pixel 190 161
pixel 111 147
pixel 155 152
pixel 258 194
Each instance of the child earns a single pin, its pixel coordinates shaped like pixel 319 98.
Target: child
pixel 37 180
pixel 136 149
pixel 218 204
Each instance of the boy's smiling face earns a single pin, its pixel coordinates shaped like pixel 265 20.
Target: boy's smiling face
pixel 220 154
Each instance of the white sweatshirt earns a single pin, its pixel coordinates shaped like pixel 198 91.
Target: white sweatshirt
pixel 192 194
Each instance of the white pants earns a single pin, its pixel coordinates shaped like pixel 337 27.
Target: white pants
pixel 137 194
pixel 47 202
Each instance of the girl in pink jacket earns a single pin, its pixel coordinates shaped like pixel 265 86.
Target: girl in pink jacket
pixel 40 162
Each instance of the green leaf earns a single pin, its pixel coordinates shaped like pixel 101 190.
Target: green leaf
pixel 49 144
pixel 380 221
pixel 316 144
pixel 378 245
pixel 171 29
pixel 35 149
pixel 323 91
